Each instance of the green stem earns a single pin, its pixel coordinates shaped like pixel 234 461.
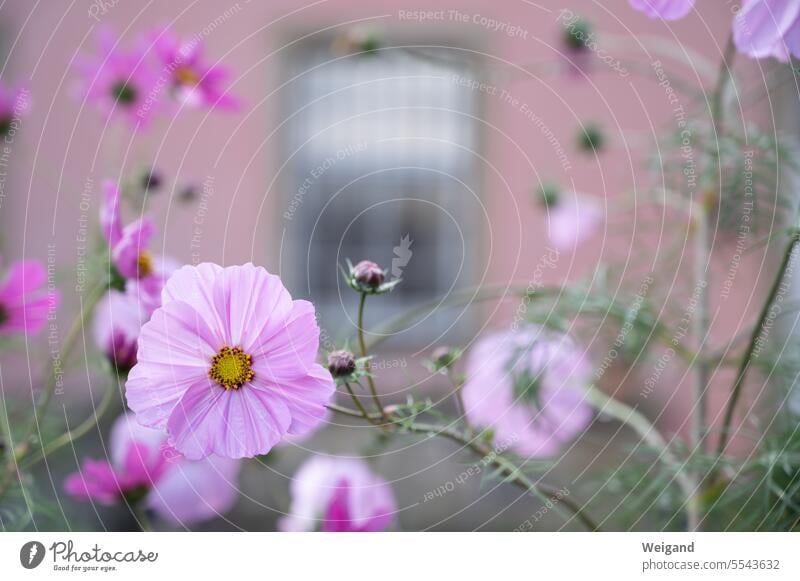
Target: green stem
pixel 512 473
pixel 631 417
pixel 71 436
pixel 70 341
pixel 361 409
pixel 363 346
pixel 457 385
pixel 746 360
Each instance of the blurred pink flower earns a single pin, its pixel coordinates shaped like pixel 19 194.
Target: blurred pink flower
pixel 118 81
pixel 666 9
pixel 338 495
pixel 128 247
pixel 24 304
pixel 768 28
pixel 118 320
pixel 573 219
pixel 227 363
pixel 527 385
pixel 143 468
pixel 194 82
pixel 14 103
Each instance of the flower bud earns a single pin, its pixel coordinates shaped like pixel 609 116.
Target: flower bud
pixel 548 194
pixel 443 356
pixel 152 180
pixel 368 274
pixel 341 363
pixel 591 138
pixel 577 32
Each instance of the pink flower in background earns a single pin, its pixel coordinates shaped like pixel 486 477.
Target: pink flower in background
pixel 227 364
pixel 24 302
pixel 338 495
pixel 527 385
pixel 118 81
pixel 194 82
pixel 768 28
pixel 143 468
pixel 128 247
pixel 137 461
pixel 118 320
pixel 14 103
pixel 571 220
pixel 666 9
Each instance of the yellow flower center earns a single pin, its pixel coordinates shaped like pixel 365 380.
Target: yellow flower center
pixel 230 367
pixel 144 263
pixel 186 76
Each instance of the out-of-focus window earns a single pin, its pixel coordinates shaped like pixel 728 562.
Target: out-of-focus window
pixel 383 161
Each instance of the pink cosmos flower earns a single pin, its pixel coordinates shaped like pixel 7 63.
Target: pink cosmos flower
pixel 118 320
pixel 143 468
pixel 118 81
pixel 338 495
pixel 13 104
pixel 665 9
pixel 572 220
pixel 24 303
pixel 128 247
pixel 527 385
pixel 768 28
pixel 227 363
pixel 194 82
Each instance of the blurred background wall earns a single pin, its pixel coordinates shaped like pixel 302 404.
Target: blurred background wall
pixel 333 157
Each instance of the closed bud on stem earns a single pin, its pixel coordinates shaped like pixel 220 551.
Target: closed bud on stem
pixel 444 357
pixel 368 274
pixel 341 363
pixel 152 180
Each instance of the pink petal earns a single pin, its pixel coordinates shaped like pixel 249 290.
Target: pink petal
pixel 110 220
pixel 22 277
pixel 96 480
pixel 759 26
pixel 305 396
pixel 135 239
pixel 253 303
pixel 666 9
pixel 235 423
pixel 174 353
pixel 127 434
pixel 194 285
pixel 292 351
pixel 194 491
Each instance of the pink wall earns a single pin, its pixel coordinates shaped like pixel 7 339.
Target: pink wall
pixel 61 145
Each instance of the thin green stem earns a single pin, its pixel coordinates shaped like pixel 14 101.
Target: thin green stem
pixel 70 342
pixel 631 417
pixel 459 398
pixel 744 365
pixel 512 472
pixel 363 345
pixel 361 409
pixel 484 450
pixel 340 409
pixel 71 436
pixel 703 241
